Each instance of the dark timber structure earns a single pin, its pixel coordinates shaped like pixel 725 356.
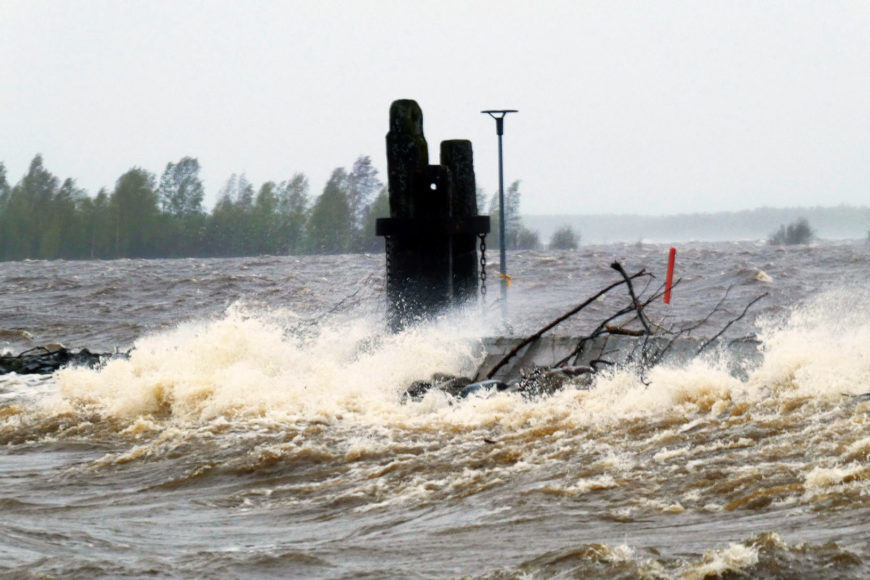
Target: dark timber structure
pixel 433 226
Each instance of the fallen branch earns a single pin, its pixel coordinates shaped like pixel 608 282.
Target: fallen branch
pixel 727 326
pixel 605 328
pixel 712 312
pixel 599 330
pixel 654 359
pixel 567 315
pixel 623 331
pixel 618 267
pixel 655 340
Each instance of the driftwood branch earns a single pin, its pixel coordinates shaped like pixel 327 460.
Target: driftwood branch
pixel 727 326
pixel 532 338
pixel 618 267
pixel 599 330
pixel 707 318
pixel 660 292
pixel 622 331
pixel 606 328
pixel 654 341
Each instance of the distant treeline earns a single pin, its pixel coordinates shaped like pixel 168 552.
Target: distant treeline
pixel 145 217
pixel 42 217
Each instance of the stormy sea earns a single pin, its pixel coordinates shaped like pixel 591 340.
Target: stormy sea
pixel 254 424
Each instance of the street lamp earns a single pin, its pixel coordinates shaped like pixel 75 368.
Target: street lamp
pixel 499 116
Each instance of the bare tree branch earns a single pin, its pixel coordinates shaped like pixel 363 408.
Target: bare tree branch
pixel 618 267
pixel 727 326
pixel 532 338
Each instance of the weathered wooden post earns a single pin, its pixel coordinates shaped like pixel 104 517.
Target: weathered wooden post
pixel 433 223
pixel 457 156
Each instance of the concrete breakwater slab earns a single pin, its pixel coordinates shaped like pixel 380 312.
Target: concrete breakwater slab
pixel 605 350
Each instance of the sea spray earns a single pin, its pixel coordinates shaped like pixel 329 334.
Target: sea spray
pixel 247 364
pixel 819 349
pixel 258 396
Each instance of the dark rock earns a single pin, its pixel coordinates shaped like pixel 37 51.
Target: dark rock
pixel 483 387
pixel 417 390
pixel 44 360
pixel 449 384
pixel 544 381
pixel 536 382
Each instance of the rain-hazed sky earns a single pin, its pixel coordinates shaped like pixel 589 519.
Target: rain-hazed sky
pixel 624 107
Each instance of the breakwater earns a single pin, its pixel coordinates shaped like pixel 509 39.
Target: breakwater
pixel 614 350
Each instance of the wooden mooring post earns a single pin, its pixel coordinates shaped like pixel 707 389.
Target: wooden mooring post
pixel 433 228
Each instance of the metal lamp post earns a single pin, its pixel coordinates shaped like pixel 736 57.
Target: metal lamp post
pixel 499 116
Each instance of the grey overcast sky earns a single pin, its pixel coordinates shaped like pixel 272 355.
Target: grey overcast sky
pixel 625 107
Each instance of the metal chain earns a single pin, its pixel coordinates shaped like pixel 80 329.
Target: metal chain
pixel 389 252
pixel 482 266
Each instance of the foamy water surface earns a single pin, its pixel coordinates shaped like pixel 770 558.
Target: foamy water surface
pixel 261 430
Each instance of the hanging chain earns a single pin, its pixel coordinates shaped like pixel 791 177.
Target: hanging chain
pixel 389 253
pixel 482 266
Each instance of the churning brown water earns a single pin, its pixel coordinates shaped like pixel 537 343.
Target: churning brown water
pixel 258 428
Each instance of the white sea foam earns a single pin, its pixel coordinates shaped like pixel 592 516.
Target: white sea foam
pixel 735 559
pixel 826 477
pixel 246 365
pixel 763 276
pixel 581 487
pixel 820 349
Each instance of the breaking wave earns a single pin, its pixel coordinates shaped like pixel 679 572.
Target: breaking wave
pixel 258 409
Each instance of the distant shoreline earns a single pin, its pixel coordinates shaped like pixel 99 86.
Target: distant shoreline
pixel 835 223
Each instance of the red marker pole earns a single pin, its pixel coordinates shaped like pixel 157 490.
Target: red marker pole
pixel 669 281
